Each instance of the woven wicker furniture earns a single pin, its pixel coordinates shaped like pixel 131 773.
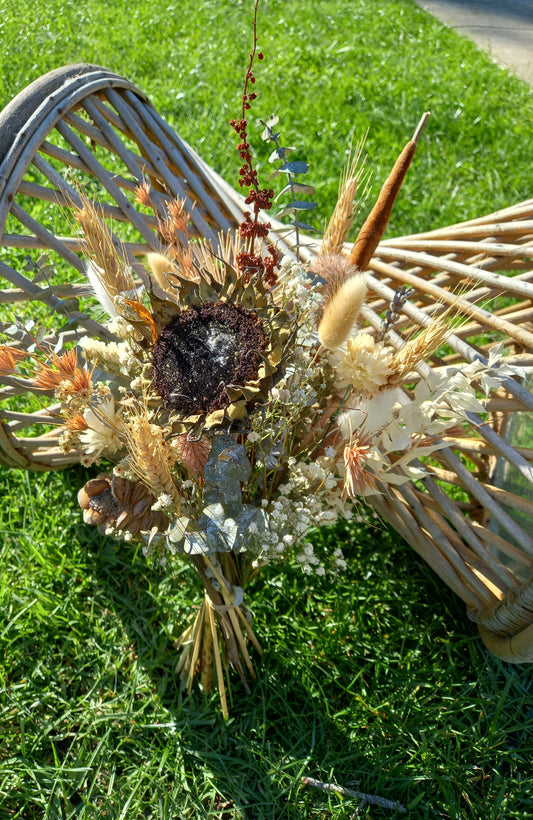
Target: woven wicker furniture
pixel 471 518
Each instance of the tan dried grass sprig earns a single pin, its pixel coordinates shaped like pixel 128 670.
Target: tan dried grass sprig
pixel 109 273
pixel 345 210
pixel 342 311
pixel 420 348
pixel 149 456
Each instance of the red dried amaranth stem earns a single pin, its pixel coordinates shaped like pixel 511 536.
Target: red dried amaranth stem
pixel 260 198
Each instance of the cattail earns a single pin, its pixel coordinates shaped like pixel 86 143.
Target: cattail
pixel 375 225
pixel 342 311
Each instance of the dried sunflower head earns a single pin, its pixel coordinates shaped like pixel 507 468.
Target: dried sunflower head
pixel 219 349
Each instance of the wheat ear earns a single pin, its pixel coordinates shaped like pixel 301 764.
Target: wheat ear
pixel 149 457
pixel 345 211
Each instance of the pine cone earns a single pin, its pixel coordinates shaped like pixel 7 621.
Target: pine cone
pixel 115 503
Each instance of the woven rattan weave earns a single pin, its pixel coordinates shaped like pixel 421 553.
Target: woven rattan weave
pixel 84 127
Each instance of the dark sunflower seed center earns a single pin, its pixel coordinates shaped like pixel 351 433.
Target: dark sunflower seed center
pixel 201 351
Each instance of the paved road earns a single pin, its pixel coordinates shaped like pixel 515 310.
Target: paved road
pixel 503 27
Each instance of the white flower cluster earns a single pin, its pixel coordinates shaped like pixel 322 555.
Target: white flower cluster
pixel 114 355
pixel 309 498
pixel 390 422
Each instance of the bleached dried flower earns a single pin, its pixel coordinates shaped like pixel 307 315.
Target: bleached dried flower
pixel 103 435
pixel 362 364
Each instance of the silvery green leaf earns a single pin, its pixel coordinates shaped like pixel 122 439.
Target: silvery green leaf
pixel 227 460
pixel 178 529
pixel 297 205
pixel 221 532
pixel 250 515
pixel 237 595
pixel 278 153
pixel 215 514
pixel 297 187
pixel 273 457
pixel 29 264
pixel 296 167
pixel 59 344
pixel 195 543
pixel 230 489
pixel 67 306
pixel 269 125
pixel 301 205
pixel 303 225
pixel 12 330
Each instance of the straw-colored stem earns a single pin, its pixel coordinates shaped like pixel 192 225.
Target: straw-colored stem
pixel 218 662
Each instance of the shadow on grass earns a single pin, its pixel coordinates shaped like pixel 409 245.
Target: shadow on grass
pixel 282 731
pixel 374 679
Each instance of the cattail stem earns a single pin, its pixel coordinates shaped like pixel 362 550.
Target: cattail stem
pixel 376 223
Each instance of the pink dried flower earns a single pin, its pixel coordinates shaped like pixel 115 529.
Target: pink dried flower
pixel 193 454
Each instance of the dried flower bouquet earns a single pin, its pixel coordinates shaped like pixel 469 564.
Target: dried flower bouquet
pixel 239 405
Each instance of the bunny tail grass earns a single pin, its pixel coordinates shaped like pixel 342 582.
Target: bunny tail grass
pixel 342 311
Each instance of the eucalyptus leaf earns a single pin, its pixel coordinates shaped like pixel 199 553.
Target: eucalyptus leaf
pixel 178 529
pixel 297 205
pixel 296 187
pixel 280 152
pixel 296 167
pixel 289 228
pixel 269 125
pixel 195 543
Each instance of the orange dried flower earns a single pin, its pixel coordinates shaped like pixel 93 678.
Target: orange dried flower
pixel 9 357
pixel 143 195
pixel 357 479
pixel 64 371
pixel 76 424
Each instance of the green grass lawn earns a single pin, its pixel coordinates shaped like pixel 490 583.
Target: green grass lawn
pixel 374 680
